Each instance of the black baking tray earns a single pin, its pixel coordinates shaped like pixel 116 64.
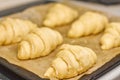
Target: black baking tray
pixel 17 73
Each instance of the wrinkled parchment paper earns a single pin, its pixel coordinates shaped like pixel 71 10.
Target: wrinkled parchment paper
pixel 40 65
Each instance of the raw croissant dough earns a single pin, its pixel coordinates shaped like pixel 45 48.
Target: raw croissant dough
pixel 60 14
pixel 38 43
pixel 12 30
pixel 111 36
pixel 88 23
pixel 71 60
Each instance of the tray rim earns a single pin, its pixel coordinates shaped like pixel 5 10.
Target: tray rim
pixel 93 76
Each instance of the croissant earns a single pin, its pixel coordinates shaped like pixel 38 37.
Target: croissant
pixel 40 42
pixel 71 60
pixel 60 14
pixel 111 36
pixel 88 23
pixel 13 30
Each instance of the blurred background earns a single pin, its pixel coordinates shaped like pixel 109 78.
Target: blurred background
pixel 109 6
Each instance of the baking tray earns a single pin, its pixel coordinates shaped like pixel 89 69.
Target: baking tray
pixel 17 73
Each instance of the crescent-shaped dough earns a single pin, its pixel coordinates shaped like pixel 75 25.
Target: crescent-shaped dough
pixel 111 36
pixel 40 42
pixel 88 23
pixel 60 14
pixel 13 30
pixel 71 60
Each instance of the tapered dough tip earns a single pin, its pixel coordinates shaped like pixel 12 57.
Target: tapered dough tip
pixel 71 34
pixel 21 51
pixel 46 23
pixel 20 54
pixel 104 47
pixel 49 73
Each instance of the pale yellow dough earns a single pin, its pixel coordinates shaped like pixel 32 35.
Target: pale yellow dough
pixel 111 36
pixel 60 14
pixel 39 42
pixel 88 23
pixel 71 60
pixel 13 30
